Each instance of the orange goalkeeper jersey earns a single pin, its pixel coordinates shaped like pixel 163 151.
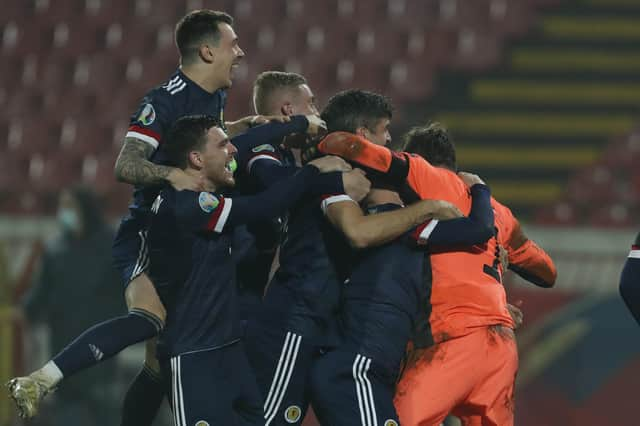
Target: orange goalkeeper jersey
pixel 467 289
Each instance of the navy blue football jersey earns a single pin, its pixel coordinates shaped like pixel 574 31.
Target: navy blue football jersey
pixel 190 246
pixel 386 297
pixel 387 291
pixel 630 280
pixel 157 112
pixel 310 245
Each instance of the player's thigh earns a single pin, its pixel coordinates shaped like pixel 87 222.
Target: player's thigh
pixel 200 390
pixel 150 354
pixel 346 391
pixel 142 294
pixel 437 382
pixel 281 360
pixel 249 402
pixel 493 397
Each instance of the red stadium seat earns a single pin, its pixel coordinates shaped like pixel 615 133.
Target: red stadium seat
pixel 613 215
pixel 592 185
pixel 321 12
pixel 410 81
pixel 476 50
pixel 412 13
pixel 12 70
pixel 255 12
pixel 561 213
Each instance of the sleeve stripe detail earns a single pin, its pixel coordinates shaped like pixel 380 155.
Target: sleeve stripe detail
pixel 425 232
pixel 145 131
pixel 326 202
pixel 635 254
pixel 149 139
pixel 635 247
pixel 261 157
pixel 224 215
pixel 213 220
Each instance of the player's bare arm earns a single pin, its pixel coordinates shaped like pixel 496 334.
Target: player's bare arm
pixel 133 166
pixel 370 230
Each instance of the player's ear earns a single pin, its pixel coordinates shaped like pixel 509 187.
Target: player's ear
pixel 362 132
pixel 286 109
pixel 195 160
pixel 206 53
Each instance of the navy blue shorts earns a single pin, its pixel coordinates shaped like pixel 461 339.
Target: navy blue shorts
pixel 129 250
pixel 214 387
pixel 281 360
pixel 349 389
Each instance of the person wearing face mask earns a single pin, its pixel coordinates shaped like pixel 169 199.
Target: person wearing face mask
pixel 67 302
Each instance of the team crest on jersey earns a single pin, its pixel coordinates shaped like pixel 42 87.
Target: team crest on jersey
pixel 208 202
pixel 264 147
pixel 292 414
pixel 148 115
pixel 390 422
pixel 201 423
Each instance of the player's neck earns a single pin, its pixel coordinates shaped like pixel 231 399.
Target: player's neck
pixel 200 77
pixel 208 185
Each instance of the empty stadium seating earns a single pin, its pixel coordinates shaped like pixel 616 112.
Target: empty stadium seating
pixel 68 88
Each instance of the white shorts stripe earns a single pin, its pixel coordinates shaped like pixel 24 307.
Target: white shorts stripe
pixel 635 254
pixel 296 340
pixel 367 406
pixel 280 381
pixel 148 139
pixel 359 392
pixel 142 261
pixel 174 393
pixel 285 348
pixel 183 419
pixel 372 404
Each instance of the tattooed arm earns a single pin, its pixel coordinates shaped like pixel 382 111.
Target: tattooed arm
pixel 133 166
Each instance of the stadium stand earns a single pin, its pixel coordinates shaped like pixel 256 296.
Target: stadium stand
pixel 530 92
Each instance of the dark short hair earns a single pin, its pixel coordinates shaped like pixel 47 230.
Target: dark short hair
pixel 196 27
pixel 433 143
pixel 268 82
pixel 350 109
pixel 187 134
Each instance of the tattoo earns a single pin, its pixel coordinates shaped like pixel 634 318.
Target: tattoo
pixel 133 165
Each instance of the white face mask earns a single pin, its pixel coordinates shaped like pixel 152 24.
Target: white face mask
pixel 68 219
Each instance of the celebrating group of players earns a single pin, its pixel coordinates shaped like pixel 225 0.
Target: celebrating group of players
pixel 387 305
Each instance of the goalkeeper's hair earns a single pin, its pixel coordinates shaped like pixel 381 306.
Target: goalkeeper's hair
pixel 268 82
pixel 433 143
pixel 348 110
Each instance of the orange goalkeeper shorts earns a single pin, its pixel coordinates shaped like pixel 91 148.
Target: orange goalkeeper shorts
pixel 471 377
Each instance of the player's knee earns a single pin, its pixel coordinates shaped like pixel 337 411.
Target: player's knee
pixel 141 294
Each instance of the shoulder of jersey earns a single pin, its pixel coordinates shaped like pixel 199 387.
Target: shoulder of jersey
pixel 174 85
